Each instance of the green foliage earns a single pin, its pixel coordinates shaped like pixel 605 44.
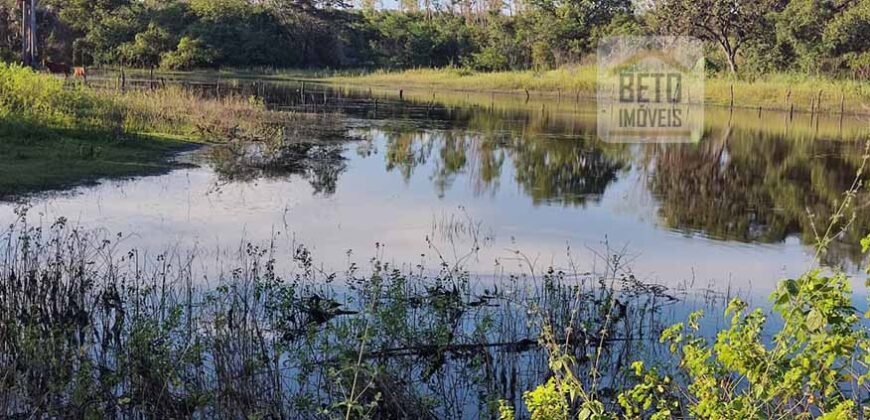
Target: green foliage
pixel 652 397
pixel 406 40
pixel 505 411
pixel 147 47
pixel 191 53
pixel 726 24
pixel 547 401
pixel 807 370
pixel 801 372
pixel 757 37
pixel 824 35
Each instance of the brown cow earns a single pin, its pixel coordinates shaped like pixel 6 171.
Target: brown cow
pixel 80 72
pixel 57 68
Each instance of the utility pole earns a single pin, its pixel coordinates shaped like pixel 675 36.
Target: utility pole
pixel 28 32
pixel 25 22
pixel 33 52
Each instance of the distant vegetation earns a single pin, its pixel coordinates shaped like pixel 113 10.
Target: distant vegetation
pixel 780 91
pixel 750 37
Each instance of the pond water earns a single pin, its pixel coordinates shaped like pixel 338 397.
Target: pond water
pixel 493 182
pixel 500 186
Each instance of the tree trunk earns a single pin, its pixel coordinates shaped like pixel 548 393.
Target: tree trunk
pixel 34 54
pixel 730 55
pixel 732 63
pixel 25 23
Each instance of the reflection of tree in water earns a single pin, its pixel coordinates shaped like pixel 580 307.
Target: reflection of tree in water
pixel 458 152
pixel 754 188
pixel 563 171
pixel 320 163
pixel 548 170
pixel 405 151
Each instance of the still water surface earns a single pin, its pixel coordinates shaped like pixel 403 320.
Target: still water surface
pixel 434 176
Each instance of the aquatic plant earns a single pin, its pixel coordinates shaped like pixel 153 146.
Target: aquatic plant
pixel 89 330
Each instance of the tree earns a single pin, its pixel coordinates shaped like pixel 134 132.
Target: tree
pixel 147 46
pixel 730 24
pixel 191 53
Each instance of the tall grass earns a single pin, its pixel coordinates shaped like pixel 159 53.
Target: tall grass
pixel 39 99
pixel 56 133
pixel 35 98
pixel 773 91
pixel 89 329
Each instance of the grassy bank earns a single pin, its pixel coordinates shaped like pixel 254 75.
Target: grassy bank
pixel 775 91
pixel 55 134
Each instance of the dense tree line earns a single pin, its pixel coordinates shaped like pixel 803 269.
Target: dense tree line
pixel 817 36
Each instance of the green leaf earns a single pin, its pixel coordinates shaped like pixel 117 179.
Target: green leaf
pixel 815 320
pixel 792 287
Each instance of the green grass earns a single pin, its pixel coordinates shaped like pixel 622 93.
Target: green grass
pixel 776 91
pixel 769 91
pixel 39 159
pixel 55 134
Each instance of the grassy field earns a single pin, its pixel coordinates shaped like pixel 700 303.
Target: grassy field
pixel 55 134
pixel 775 91
pixel 778 91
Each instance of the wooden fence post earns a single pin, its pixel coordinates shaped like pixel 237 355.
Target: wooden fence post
pixel 819 102
pixel 732 97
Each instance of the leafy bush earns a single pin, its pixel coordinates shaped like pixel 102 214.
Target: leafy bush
pixel 817 364
pixel 27 95
pixel 146 48
pixel 191 53
pixel 489 59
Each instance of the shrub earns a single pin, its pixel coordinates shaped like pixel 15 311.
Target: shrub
pixel 191 53
pixel 817 364
pixel 26 96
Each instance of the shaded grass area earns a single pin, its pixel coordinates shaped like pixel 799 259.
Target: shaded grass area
pixel 34 159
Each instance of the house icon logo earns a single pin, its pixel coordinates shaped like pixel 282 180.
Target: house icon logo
pixel 650 89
